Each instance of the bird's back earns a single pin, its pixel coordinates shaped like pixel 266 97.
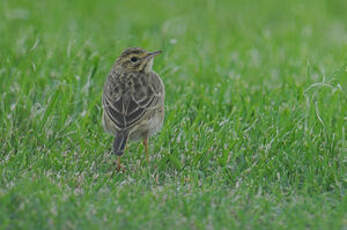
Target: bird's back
pixel 128 96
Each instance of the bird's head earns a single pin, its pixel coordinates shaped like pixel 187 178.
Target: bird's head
pixel 136 60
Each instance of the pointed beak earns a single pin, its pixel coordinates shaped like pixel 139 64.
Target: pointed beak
pixel 153 54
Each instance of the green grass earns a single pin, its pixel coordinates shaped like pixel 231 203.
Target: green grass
pixel 254 134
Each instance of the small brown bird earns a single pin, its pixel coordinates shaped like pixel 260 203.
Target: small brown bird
pixel 133 100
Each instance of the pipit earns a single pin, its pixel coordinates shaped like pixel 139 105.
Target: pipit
pixel 133 100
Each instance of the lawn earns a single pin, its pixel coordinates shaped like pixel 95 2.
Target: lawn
pixel 255 127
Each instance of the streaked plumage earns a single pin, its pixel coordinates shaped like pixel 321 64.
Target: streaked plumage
pixel 133 99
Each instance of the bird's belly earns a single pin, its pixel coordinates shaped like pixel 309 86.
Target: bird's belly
pixel 148 127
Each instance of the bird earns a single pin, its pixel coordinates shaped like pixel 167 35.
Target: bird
pixel 133 100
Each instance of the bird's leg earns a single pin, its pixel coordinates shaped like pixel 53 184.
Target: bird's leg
pixel 145 143
pixel 120 167
pixel 118 163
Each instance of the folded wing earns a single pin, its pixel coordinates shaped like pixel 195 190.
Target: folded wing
pixel 126 102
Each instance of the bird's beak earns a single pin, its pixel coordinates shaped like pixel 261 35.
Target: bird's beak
pixel 153 54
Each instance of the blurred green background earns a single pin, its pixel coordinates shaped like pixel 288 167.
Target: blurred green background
pixel 254 135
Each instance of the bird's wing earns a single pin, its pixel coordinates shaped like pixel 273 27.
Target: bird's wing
pixel 126 102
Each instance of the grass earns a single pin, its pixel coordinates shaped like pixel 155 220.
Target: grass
pixel 254 134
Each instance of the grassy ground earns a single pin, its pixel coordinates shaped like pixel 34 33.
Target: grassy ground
pixel 254 135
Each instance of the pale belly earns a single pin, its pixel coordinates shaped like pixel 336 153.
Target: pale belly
pixel 149 126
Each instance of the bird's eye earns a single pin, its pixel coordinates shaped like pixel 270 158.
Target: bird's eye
pixel 134 59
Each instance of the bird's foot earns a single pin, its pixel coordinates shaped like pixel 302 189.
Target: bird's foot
pixel 119 167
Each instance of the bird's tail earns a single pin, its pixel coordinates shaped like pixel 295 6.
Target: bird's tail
pixel 120 141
